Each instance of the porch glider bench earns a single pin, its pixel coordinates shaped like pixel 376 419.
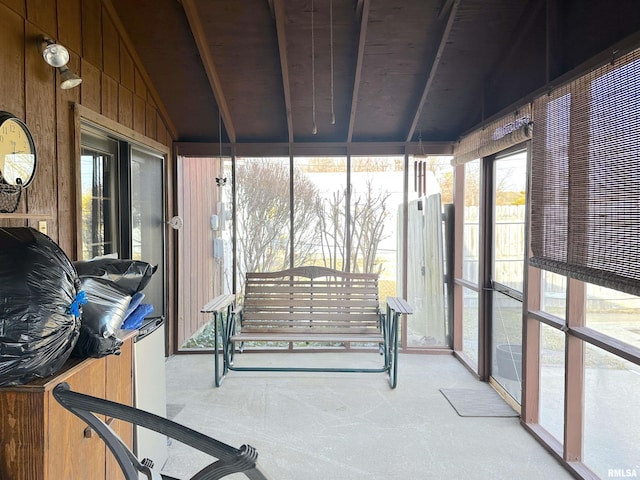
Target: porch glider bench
pixel 311 305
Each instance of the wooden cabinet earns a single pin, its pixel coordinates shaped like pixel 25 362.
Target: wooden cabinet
pixel 41 440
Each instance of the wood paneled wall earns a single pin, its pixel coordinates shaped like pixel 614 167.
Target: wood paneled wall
pixel 114 85
pixel 199 275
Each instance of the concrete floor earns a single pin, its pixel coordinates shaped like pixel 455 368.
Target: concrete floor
pixel 343 426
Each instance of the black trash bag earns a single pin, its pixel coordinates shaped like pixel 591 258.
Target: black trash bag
pixel 38 291
pixel 131 275
pixel 102 317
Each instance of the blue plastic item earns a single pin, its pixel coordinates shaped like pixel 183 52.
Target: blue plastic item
pixel 134 320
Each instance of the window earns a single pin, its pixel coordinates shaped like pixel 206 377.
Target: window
pixel 471 229
pixel 262 212
pixel 122 205
pixel 320 212
pixel 99 182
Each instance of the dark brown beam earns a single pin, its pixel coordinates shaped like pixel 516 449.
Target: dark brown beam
pixel 278 10
pixel 207 60
pixel 359 6
pixel 445 8
pixel 356 82
pixel 434 68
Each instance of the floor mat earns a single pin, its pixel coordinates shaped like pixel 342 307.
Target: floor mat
pixel 473 402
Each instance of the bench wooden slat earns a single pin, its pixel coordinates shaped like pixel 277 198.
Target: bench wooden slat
pixel 308 330
pixel 293 337
pixel 277 316
pixel 343 291
pixel 323 307
pixel 309 320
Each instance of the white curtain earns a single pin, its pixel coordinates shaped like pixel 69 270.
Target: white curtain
pixel 425 272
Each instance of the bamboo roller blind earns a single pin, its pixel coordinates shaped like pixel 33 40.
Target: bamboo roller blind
pixel 585 177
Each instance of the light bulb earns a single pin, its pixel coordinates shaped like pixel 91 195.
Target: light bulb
pixel 55 55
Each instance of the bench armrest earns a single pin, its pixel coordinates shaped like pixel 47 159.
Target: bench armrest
pixel 218 304
pixel 399 305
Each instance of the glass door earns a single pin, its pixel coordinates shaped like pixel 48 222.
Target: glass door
pixel 147 221
pixel 507 269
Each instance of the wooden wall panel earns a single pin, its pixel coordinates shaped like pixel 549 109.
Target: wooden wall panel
pixel 125 107
pixel 109 97
pixel 66 162
pixel 91 86
pixel 140 87
pixel 113 84
pixel 110 48
pixel 41 195
pixel 12 75
pixel 161 130
pixel 70 24
pixel 92 32
pixel 42 13
pixel 197 268
pixel 150 121
pixel 11 62
pixel 17 6
pixel 139 114
pixel 127 74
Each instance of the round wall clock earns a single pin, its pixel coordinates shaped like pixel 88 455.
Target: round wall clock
pixel 17 151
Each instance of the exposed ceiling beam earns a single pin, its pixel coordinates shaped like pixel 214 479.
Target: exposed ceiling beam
pixel 364 21
pixel 434 67
pixel 445 9
pixel 207 60
pixel 359 5
pixel 278 10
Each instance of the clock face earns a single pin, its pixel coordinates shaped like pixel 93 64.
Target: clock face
pixel 17 151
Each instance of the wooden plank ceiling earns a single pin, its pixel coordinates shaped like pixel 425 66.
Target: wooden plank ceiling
pixel 387 71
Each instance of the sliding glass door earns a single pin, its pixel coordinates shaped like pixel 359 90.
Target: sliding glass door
pixel 147 221
pixel 509 180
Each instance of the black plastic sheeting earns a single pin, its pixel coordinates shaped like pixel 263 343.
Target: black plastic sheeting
pixel 130 275
pixel 38 286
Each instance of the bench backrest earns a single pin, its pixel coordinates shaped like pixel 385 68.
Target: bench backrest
pixel 313 299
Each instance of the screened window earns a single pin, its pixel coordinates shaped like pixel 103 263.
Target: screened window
pixel 262 212
pixel 319 212
pixel 471 229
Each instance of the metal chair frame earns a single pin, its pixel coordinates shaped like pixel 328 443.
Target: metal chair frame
pixel 230 459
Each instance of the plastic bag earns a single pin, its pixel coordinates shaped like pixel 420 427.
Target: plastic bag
pixel 102 316
pixel 131 275
pixel 38 286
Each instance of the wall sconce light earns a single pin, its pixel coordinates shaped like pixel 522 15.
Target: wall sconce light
pixel 58 56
